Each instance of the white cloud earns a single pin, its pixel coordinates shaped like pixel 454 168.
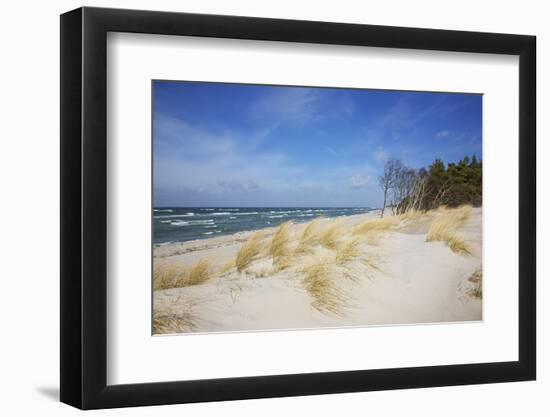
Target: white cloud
pixel 189 158
pixel 380 155
pixel 247 186
pixel 291 105
pixel 300 106
pixel 442 134
pixel 362 181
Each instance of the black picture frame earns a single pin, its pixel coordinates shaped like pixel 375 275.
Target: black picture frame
pixel 84 207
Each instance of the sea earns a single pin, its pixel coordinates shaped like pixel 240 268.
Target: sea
pixel 181 224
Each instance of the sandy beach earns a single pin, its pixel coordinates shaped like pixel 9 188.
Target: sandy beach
pixel 355 270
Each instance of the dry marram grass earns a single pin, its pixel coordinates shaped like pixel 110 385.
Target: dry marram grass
pixel 444 229
pixel 171 323
pixel 309 236
pixel 249 250
pixel 412 215
pixel 372 230
pixel 279 248
pixel 200 273
pixel 377 225
pixel 176 317
pixel 165 277
pixel 329 236
pixel 317 282
pixel 227 267
pixel 348 252
pixel 309 230
pixel 476 278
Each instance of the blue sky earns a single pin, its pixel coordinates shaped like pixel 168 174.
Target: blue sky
pixel 250 145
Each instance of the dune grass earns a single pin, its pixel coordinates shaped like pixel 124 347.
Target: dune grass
pixel 317 282
pixel 371 230
pixel 248 251
pixel 279 249
pixel 444 229
pixel 165 277
pixel 462 213
pixel 200 272
pixel 227 267
pixel 311 227
pixel 412 215
pixel 347 252
pixel 330 235
pixel 377 225
pixel 309 236
pixel 178 316
pixel 164 323
pixel 476 278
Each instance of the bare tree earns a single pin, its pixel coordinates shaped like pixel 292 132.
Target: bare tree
pixel 404 184
pixel 388 180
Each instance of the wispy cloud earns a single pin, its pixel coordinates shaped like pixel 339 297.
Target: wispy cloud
pixel 248 186
pixel 380 155
pixel 193 158
pixel 362 181
pixel 290 105
pixel 301 106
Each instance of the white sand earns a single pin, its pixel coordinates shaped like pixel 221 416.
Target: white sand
pixel 410 281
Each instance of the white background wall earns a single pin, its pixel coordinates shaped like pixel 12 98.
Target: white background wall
pixel 29 225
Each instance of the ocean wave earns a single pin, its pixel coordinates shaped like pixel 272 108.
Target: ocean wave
pixel 221 213
pixel 207 233
pixel 175 216
pixel 276 217
pixel 190 222
pixel 179 223
pixel 163 210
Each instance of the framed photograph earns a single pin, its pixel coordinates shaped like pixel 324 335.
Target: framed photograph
pixel 257 208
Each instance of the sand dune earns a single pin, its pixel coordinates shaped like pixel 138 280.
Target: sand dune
pixel 349 271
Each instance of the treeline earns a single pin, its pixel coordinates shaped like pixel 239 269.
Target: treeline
pixel 452 185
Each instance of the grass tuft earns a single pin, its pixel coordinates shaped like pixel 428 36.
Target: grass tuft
pixel 477 279
pixel 165 277
pixel 317 282
pixel 279 248
pixel 348 252
pixel 171 323
pixel 200 273
pixel 249 250
pixel 329 237
pixel 444 229
pixel 227 267
pixel 458 245
pixel 412 215
pixel 309 236
pixel 377 225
